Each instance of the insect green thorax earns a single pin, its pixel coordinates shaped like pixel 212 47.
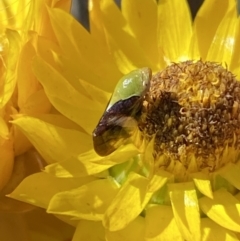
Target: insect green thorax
pixel 135 83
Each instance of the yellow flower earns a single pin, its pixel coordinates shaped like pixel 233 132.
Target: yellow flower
pixel 21 23
pixel 160 190
pixel 20 90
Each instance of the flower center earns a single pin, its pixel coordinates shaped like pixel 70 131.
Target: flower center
pixel 192 115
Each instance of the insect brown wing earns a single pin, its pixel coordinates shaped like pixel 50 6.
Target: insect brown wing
pixel 113 128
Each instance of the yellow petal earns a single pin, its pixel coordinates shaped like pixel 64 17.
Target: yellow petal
pixel 143 24
pixel 37 103
pixel 133 232
pixel 6 160
pixel 70 70
pixel 174 30
pixel 212 231
pixel 110 9
pixel 29 15
pixel 20 142
pixel 10 222
pixel 237 196
pixel 53 56
pixel 4 131
pixel 161 225
pixel 36 189
pixel 185 209
pixel 90 163
pixel 77 43
pixel 96 24
pixel 75 168
pixel 202 182
pixel 63 4
pixel 128 203
pixel 40 20
pixel 8 81
pixel 158 180
pixel 62 143
pixel 219 182
pixel 89 201
pixel 223 42
pixel 121 54
pixel 27 84
pixel 65 98
pixel 102 97
pixel 193 49
pixel 203 31
pixel 15 14
pixel 89 231
pixel 235 61
pixel 231 173
pixel 122 154
pixel 44 227
pixel 224 209
pixel 127 53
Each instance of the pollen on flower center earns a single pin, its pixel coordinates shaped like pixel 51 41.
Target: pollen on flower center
pixel 192 112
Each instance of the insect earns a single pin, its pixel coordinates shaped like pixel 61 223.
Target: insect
pixel 122 112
